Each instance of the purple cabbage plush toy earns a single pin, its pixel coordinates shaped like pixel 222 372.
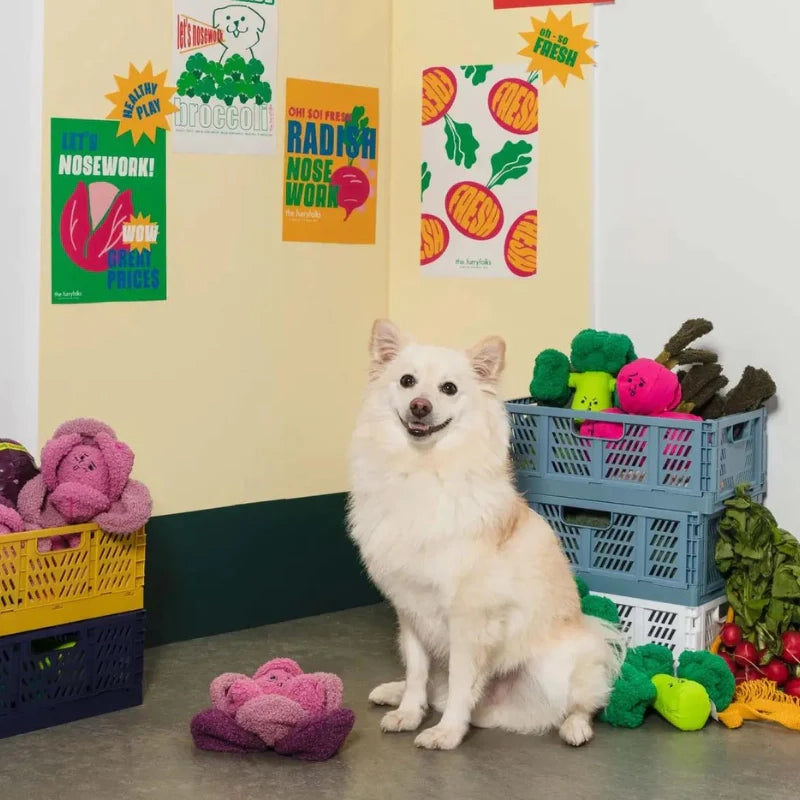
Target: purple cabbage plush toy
pixel 279 708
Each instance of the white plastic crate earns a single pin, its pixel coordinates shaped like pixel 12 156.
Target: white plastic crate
pixel 678 627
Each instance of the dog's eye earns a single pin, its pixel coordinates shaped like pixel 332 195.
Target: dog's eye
pixel 407 381
pixel 448 388
pixel 228 17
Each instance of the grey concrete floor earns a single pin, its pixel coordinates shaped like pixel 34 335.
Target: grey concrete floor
pixel 147 752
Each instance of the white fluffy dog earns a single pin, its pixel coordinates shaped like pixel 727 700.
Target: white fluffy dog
pixel 242 28
pixel 490 626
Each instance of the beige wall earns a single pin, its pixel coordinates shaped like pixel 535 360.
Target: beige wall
pixel 538 312
pixel 243 385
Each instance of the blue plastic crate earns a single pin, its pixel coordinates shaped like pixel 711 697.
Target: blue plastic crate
pixel 69 672
pixel 659 463
pixel 648 553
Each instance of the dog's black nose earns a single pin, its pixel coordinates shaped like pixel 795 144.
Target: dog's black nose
pixel 420 407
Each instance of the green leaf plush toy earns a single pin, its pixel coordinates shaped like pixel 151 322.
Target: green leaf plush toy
pixel 588 376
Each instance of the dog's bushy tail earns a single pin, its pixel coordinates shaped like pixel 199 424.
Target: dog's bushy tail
pixel 615 641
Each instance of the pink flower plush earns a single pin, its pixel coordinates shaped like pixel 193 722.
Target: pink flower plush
pixel 278 698
pixel 85 477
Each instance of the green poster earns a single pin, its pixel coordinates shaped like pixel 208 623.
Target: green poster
pixel 109 213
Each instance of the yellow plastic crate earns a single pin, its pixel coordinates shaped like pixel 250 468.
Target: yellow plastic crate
pixel 103 575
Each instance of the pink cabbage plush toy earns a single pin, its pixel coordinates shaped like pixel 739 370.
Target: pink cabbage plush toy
pixel 645 388
pixel 10 520
pixel 85 477
pixel 280 708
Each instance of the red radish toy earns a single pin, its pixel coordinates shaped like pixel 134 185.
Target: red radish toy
pixel 745 654
pixel 791 647
pixel 728 659
pixel 352 182
pixel 792 687
pixel 776 671
pixel 731 634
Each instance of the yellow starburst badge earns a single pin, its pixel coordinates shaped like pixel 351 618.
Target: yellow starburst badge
pixel 139 232
pixel 557 47
pixel 142 102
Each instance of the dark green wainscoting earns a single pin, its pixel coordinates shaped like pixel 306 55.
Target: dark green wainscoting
pixel 225 569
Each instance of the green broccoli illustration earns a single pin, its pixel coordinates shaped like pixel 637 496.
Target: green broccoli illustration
pixel 253 71
pixel 196 65
pixel 235 67
pixel 245 90
pixel 263 93
pixel 215 71
pixel 226 91
pixel 187 84
pixel 206 88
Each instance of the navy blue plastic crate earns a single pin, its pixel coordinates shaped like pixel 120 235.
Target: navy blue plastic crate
pixel 659 463
pixel 69 672
pixel 652 554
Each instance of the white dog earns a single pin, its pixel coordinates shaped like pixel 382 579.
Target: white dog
pixel 490 626
pixel 243 28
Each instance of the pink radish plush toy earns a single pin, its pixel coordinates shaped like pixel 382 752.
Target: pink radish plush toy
pixel 645 388
pixel 280 708
pixel 85 477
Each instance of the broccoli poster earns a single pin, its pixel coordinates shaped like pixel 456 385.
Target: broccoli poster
pixel 109 213
pixel 479 175
pixel 224 62
pixel 331 163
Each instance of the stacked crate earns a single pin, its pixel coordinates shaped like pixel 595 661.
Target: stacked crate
pixel 71 627
pixel 638 516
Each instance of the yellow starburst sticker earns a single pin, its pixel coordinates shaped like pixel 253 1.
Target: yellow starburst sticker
pixel 557 47
pixel 139 232
pixel 142 102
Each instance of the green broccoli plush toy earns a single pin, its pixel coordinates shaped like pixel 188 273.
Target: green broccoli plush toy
pixel 588 376
pixel 647 679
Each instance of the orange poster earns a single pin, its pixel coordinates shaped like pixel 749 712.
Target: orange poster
pixel 330 163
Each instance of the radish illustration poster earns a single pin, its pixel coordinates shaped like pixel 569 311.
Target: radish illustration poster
pixel 331 163
pixel 479 176
pixel 109 213
pixel 225 63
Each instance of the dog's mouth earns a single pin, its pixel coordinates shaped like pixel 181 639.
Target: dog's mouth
pixel 237 30
pixel 421 430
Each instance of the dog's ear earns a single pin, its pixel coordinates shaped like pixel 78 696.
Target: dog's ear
pixel 261 23
pixel 387 341
pixel 488 359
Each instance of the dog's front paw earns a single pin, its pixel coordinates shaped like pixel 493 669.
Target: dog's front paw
pixel 388 694
pixel 576 730
pixel 402 719
pixel 440 737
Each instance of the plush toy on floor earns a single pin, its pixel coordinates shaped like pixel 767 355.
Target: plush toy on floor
pixel 647 679
pixel 85 477
pixel 280 708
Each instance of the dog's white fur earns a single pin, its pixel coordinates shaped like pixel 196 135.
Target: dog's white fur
pixel 490 626
pixel 242 27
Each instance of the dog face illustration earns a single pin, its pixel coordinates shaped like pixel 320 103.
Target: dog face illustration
pixel 242 28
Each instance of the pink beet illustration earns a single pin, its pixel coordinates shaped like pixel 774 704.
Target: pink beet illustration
pixel 352 182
